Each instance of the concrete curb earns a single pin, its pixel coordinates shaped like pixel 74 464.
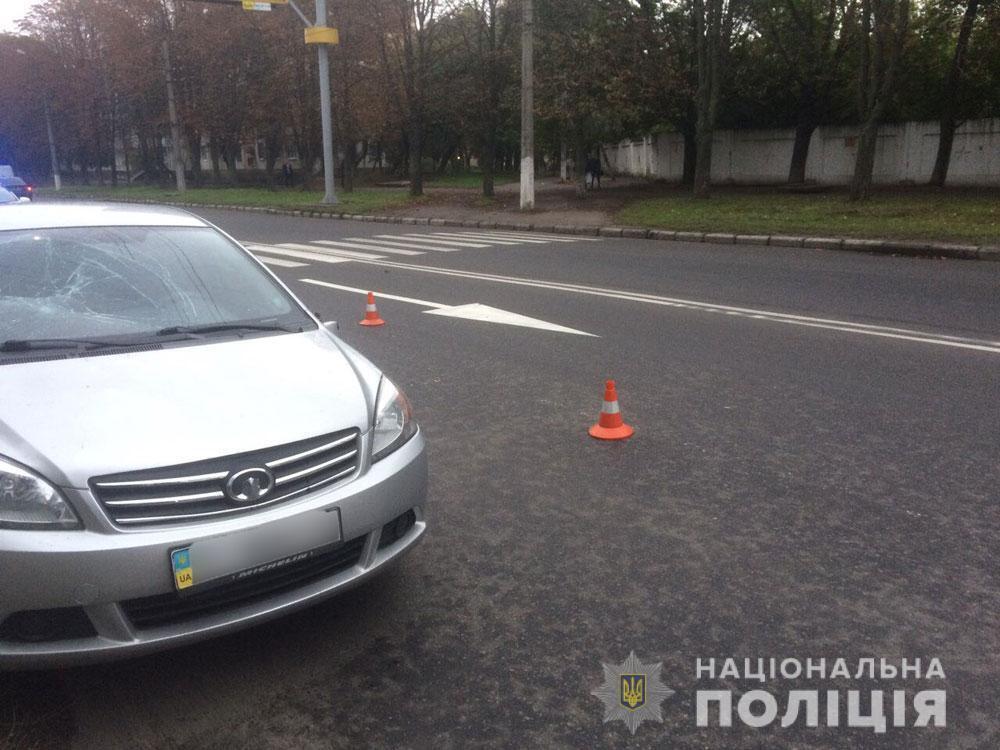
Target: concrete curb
pixel 850 244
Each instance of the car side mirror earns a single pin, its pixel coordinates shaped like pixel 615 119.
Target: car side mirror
pixel 332 325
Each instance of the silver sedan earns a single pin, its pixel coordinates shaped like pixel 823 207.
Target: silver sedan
pixel 184 449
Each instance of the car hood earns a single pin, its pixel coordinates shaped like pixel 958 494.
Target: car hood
pixel 73 419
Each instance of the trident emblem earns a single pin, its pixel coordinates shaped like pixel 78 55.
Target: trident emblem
pixel 633 687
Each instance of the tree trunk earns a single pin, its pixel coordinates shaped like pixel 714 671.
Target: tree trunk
pixel 876 79
pixel 194 148
pixel 229 152
pixel 99 154
pixel 950 107
pixel 609 168
pixel 416 153
pixel 489 159
pixel 703 163
pixel 581 168
pixel 800 152
pixel 114 149
pixel 690 156
pixel 712 31
pixel 350 159
pixel 213 150
pixel 864 164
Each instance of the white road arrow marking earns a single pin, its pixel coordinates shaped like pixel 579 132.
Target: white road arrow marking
pixel 474 311
pixel 487 314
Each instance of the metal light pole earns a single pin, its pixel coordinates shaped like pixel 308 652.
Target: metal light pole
pixel 175 123
pixel 527 109
pixel 56 177
pixel 326 108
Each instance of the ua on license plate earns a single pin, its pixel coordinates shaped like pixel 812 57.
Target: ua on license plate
pixel 245 553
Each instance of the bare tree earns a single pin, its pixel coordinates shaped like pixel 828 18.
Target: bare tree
pixel 406 45
pixel 884 24
pixel 950 96
pixel 487 41
pixel 714 23
pixel 809 38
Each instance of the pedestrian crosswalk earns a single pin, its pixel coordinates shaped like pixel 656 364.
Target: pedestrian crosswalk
pixel 379 246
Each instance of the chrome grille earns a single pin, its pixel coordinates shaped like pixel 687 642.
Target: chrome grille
pixel 197 491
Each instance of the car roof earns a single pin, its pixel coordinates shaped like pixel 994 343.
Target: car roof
pixel 63 215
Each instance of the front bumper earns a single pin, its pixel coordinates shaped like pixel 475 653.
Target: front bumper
pixel 99 570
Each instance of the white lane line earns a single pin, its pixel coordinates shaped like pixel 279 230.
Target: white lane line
pixel 343 253
pixel 431 243
pixel 451 236
pixel 280 263
pixel 473 311
pixel 274 250
pixel 508 238
pixel 863 329
pixel 379 295
pixel 564 237
pixel 359 246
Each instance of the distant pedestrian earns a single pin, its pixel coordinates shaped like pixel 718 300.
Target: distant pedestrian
pixel 594 172
pixel 288 173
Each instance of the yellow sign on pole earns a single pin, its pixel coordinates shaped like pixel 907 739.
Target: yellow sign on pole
pixel 322 35
pixel 262 4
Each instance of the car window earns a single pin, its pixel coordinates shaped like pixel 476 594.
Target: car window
pixel 133 281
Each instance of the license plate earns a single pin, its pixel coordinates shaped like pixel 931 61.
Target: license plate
pixel 211 562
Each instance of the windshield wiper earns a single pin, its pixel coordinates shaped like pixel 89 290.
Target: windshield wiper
pixel 31 345
pixel 223 327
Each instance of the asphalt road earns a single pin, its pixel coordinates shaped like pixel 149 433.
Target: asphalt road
pixel 814 474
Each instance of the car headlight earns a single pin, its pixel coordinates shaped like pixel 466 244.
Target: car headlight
pixel 29 502
pixel 394 423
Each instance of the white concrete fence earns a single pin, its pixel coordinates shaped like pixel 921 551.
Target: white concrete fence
pixel 905 154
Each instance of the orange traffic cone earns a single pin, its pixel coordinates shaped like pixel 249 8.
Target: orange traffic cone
pixel 371 313
pixel 610 425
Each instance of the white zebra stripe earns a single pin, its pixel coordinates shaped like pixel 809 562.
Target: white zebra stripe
pixel 359 246
pixel 280 262
pixel 343 253
pixel 540 240
pixel 452 236
pixel 449 238
pixel 274 250
pixel 564 237
pixel 431 243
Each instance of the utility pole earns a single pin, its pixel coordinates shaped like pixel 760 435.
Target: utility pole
pixel 527 108
pixel 56 177
pixel 326 107
pixel 175 125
